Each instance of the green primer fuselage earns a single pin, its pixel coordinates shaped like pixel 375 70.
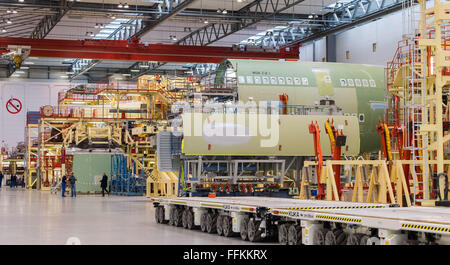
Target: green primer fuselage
pixel 357 89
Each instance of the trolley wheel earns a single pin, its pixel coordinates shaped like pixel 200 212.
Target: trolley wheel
pixel 211 223
pixel 219 225
pixel 178 217
pixel 283 234
pixel 157 210
pixel 162 215
pixel 295 235
pixel 184 218
pixel 254 234
pixel 243 228
pixel 203 222
pixel 364 240
pixel 172 216
pixel 190 220
pixel 354 239
pixel 227 226
pixel 336 237
pixel 319 236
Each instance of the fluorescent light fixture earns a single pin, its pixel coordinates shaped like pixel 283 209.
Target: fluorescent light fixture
pixel 26 62
pixel 144 66
pixel 126 74
pixel 33 58
pixel 15 75
pixel 63 76
pixel 135 70
pixel 24 67
pixel 20 72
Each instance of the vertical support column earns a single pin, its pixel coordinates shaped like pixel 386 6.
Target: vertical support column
pixel 331 48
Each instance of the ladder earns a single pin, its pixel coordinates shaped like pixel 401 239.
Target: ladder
pixel 415 100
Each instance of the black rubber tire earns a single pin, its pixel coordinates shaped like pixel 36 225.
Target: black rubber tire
pixel 172 216
pixel 203 222
pixel 184 218
pixel 354 239
pixel 336 237
pixel 190 220
pixel 219 225
pixel 178 218
pixel 295 235
pixel 162 216
pixel 254 234
pixel 211 223
pixel 364 240
pixel 283 234
pixel 319 236
pixel 157 218
pixel 243 228
pixel 227 226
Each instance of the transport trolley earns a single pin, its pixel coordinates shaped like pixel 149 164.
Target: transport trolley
pixel 310 222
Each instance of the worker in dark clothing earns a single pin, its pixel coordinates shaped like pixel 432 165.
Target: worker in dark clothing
pixel 104 184
pixel 63 185
pixel 12 182
pixel 1 179
pixel 73 188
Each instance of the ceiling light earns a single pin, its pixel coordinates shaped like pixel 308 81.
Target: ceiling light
pixel 24 67
pixel 21 1
pixel 120 5
pixel 144 66
pixel 310 16
pixel 126 74
pixel 20 72
pixel 224 11
pixel 206 21
pixel 14 11
pixel 4 30
pixel 8 21
pixel 8 11
pixel 126 5
pixel 135 70
pixel 63 76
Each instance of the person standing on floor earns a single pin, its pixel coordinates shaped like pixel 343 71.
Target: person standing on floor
pixel 63 185
pixel 12 182
pixel 73 188
pixel 104 184
pixel 1 179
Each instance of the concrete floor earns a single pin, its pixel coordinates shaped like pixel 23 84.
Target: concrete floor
pixel 37 217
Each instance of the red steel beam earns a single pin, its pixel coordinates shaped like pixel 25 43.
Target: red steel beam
pixel 135 51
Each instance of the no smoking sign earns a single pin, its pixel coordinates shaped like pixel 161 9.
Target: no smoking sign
pixel 13 106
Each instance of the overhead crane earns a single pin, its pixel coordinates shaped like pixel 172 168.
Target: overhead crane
pixel 133 50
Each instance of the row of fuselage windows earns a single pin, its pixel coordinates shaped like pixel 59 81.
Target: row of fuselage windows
pixel 301 81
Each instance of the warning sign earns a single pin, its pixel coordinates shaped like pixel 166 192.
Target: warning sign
pixel 13 106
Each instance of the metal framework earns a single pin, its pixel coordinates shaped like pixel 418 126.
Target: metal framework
pixel 167 9
pixel 252 13
pixel 342 16
pixel 49 21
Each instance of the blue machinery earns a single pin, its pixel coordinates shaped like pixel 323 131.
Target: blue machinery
pixel 123 180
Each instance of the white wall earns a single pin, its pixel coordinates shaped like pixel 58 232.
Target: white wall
pixel 306 51
pixel 386 32
pixel 33 95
